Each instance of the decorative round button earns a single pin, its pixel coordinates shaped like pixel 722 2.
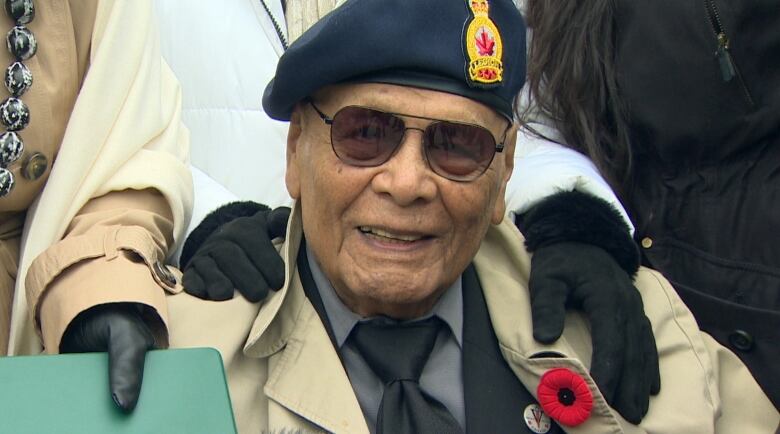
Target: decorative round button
pixel 35 166
pixel 741 340
pixel 6 181
pixel 21 42
pixel 22 11
pixel 647 242
pixel 536 419
pixel 14 114
pixel 164 274
pixel 11 148
pixel 18 78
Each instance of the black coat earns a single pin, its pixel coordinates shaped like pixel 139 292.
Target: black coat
pixel 705 130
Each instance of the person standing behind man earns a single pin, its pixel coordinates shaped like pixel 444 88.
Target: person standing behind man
pixel 682 116
pixel 94 187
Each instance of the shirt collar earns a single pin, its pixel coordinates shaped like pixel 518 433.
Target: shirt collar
pixel 449 308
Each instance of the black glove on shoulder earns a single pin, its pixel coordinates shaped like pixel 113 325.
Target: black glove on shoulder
pixel 232 248
pixel 212 222
pixel 573 216
pixel 584 257
pixel 118 329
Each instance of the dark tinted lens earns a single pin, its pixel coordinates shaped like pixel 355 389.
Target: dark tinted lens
pixel 460 152
pixel 365 137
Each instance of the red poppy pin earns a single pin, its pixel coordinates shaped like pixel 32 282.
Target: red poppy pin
pixel 565 396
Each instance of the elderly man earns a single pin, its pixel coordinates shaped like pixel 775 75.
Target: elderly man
pixel 405 305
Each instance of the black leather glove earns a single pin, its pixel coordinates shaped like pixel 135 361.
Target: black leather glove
pixel 583 258
pixel 232 248
pixel 118 329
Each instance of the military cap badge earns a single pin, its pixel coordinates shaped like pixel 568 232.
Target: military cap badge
pixel 483 47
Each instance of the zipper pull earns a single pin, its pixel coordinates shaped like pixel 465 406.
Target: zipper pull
pixel 727 69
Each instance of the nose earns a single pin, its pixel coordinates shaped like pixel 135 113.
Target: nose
pixel 406 177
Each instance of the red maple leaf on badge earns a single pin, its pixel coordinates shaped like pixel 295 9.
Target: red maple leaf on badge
pixel 485 44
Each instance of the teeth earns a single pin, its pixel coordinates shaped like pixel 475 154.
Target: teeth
pixel 388 235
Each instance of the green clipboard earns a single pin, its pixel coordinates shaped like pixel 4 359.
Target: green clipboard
pixel 183 391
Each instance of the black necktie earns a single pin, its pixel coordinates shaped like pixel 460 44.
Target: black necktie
pixel 397 354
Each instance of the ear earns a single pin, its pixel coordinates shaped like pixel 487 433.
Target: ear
pixel 509 165
pixel 294 134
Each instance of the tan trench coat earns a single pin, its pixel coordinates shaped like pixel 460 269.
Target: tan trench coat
pixel 105 110
pixel 284 374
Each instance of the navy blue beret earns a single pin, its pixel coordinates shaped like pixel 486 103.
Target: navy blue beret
pixel 472 48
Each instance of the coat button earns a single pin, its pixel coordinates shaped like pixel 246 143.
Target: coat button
pixel 35 166
pixel 647 242
pixel 741 340
pixel 164 274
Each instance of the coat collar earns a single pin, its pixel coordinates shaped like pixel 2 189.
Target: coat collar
pixel 279 315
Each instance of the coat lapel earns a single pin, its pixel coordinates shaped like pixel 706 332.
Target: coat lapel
pixel 309 380
pixel 504 266
pixel 495 399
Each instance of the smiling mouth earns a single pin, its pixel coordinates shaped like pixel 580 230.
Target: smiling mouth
pixel 390 237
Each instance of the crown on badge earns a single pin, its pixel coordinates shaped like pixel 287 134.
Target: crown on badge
pixel 484 48
pixel 480 7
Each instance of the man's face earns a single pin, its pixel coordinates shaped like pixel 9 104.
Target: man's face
pixel 392 238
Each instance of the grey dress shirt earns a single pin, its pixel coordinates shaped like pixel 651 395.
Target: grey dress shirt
pixel 442 376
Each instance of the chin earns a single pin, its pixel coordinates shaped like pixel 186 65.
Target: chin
pixel 398 296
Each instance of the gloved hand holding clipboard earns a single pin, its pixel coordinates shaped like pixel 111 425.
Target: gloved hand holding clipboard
pixel 184 391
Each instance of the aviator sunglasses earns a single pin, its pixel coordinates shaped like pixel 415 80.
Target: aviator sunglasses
pixel 366 137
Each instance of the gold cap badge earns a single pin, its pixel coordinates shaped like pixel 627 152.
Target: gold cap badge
pixel 483 46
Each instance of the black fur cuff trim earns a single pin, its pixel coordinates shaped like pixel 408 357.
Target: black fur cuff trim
pixel 574 216
pixel 224 214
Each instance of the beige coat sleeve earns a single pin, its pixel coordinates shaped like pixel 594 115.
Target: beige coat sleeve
pixel 113 252
pixel 743 406
pixel 705 388
pixel 134 195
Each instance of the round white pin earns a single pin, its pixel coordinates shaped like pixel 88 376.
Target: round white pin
pixel 536 419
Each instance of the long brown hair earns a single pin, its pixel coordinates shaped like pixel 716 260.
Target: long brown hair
pixel 572 80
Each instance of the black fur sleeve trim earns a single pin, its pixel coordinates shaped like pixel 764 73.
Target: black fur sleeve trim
pixel 574 216
pixel 224 214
